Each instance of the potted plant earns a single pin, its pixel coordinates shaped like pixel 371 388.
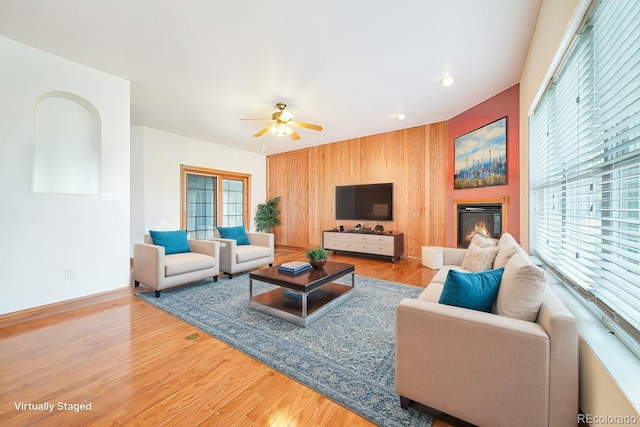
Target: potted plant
pixel 267 215
pixel 317 257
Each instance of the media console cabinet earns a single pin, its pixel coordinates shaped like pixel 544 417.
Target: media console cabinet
pixel 359 242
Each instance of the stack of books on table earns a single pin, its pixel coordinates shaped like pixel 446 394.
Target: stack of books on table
pixel 294 267
pixel 292 294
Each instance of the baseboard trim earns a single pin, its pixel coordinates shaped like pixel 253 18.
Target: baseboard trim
pixel 21 316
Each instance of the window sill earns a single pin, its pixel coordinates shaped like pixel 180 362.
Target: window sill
pixel 621 364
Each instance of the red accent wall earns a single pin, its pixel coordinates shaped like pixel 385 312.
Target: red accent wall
pixel 504 104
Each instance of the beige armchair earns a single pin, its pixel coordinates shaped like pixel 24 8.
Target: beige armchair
pixel 153 268
pixel 236 258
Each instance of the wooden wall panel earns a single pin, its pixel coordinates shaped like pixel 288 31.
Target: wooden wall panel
pixel 288 177
pixel 436 140
pixel 413 159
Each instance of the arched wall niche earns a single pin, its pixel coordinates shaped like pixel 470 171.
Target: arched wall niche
pixel 67 145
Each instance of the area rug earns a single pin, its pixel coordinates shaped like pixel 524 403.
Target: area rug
pixel 346 355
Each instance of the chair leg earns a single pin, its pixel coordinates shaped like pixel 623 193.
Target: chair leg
pixel 230 275
pixel 271 264
pixel 404 402
pixel 158 294
pixel 136 283
pixel 215 278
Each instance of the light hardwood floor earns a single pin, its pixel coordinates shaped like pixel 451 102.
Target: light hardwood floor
pixel 137 365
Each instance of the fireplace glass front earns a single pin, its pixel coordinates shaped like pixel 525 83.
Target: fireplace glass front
pixel 478 218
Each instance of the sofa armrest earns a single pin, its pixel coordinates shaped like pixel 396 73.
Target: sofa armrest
pixel 562 328
pixel 448 356
pixel 453 256
pixel 148 264
pixel 261 239
pixel 228 253
pixel 205 247
pixel 224 243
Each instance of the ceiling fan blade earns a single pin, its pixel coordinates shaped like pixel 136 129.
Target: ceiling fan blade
pixel 263 131
pixel 294 135
pixel 307 125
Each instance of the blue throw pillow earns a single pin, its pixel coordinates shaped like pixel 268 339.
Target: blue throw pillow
pixel 236 233
pixel 476 291
pixel 174 242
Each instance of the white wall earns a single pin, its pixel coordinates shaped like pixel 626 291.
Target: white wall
pixel 45 234
pixel 156 157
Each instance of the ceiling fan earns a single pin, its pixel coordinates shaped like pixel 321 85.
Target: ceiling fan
pixel 281 122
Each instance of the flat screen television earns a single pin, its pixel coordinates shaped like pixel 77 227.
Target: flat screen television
pixel 371 202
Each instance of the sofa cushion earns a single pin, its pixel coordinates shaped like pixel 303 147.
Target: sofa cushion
pixel 478 258
pixel 186 262
pixel 522 289
pixel 441 275
pixel 174 242
pixel 476 291
pixel 507 247
pixel 238 234
pixel 250 252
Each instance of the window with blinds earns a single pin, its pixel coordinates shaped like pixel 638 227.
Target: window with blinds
pixel 584 139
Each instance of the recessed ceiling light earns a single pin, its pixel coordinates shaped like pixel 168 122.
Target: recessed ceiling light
pixel 447 80
pixel 401 116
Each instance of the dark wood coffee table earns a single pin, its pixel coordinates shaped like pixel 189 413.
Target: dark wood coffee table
pixel 315 293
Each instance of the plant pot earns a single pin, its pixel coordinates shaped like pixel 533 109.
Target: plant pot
pixel 317 263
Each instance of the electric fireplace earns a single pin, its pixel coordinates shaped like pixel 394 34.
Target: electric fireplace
pixel 486 217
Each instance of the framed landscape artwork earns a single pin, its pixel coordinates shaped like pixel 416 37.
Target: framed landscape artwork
pixel 481 156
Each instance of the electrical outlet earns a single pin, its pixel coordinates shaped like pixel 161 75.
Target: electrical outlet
pixel 69 274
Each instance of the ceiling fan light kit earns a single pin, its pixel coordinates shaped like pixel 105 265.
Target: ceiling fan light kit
pixel 281 122
pixel 280 129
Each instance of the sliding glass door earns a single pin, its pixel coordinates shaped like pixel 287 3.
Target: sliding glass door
pixel 201 205
pixel 212 198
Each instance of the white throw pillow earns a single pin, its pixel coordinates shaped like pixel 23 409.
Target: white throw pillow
pixel 507 247
pixel 521 289
pixel 483 241
pixel 506 240
pixel 479 259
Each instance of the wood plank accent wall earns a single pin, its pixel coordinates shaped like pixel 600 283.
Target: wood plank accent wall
pixel 413 159
pixel 288 177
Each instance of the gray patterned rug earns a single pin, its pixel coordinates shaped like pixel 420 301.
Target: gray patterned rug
pixel 346 355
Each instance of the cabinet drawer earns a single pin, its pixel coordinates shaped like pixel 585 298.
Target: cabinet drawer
pixel 332 244
pixel 373 239
pixel 339 245
pixel 374 249
pixel 359 247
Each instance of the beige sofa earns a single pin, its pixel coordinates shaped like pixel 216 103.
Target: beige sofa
pixel 153 268
pixel 486 368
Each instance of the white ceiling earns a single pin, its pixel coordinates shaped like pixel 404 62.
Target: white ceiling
pixel 198 66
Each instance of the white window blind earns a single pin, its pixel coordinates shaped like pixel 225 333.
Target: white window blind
pixel 585 167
